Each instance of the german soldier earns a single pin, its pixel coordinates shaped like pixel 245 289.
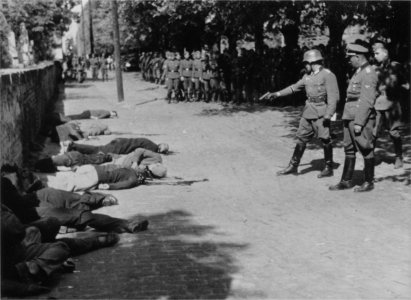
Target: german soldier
pixel 197 74
pixel 186 72
pixel 171 70
pixel 321 87
pixel 359 119
pixel 387 104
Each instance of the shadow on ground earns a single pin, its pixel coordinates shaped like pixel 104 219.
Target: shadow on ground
pixel 172 260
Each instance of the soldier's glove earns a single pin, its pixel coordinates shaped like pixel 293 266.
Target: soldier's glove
pixel 327 122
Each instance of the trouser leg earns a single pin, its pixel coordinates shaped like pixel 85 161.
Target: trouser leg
pixel 85 149
pixel 84 115
pixel 349 163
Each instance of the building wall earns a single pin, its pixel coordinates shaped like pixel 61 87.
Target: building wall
pixel 26 96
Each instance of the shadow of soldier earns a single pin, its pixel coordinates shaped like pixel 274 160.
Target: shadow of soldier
pixel 172 260
pixel 317 165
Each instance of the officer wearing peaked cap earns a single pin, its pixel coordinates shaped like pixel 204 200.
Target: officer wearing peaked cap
pixel 359 119
pixel 321 87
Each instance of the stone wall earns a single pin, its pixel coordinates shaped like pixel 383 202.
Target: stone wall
pixel 26 96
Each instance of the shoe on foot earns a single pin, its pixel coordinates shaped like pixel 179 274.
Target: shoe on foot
pixel 291 169
pixel 107 240
pixel 342 185
pixel 398 163
pixel 326 172
pixel 365 187
pixel 109 200
pixel 135 226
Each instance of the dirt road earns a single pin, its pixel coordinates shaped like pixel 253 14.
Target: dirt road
pixel 222 225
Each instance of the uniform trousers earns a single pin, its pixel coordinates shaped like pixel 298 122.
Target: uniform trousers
pixel 362 142
pixel 172 83
pixel 308 128
pixel 389 119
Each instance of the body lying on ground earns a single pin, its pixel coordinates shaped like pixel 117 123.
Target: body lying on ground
pixel 89 177
pixel 142 157
pixel 28 259
pixel 69 209
pixel 120 146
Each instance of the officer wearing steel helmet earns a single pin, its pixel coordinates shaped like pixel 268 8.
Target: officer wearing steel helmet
pixel 321 87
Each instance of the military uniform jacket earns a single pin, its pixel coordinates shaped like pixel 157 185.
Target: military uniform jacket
pixel 206 71
pixel 197 68
pixel 215 71
pixel 322 93
pixel 361 95
pixel 389 85
pixel 186 68
pixel 172 68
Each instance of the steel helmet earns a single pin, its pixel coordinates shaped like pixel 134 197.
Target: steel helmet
pixel 312 56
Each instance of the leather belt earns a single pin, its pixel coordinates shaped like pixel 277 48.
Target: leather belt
pixel 318 99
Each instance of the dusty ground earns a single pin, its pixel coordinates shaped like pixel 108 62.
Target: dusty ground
pixel 222 225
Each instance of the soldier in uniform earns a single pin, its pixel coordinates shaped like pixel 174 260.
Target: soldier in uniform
pixel 186 72
pixel 321 87
pixel 359 119
pixel 387 105
pixel 180 89
pixel 206 76
pixel 197 74
pixel 171 71
pixel 214 78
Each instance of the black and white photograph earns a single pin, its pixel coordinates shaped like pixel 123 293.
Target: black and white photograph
pixel 205 149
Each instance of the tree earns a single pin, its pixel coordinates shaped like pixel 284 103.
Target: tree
pixel 42 19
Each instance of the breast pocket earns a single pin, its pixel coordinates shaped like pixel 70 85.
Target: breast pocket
pixel 355 86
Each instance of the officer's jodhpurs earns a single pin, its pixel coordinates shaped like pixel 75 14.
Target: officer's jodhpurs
pixel 362 142
pixel 307 129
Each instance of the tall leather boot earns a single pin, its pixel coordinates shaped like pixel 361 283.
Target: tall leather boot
pixel 346 178
pixel 398 153
pixel 295 160
pixel 328 157
pixel 368 184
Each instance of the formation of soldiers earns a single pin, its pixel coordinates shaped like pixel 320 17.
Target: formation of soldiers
pixel 75 67
pixel 372 100
pixel 204 75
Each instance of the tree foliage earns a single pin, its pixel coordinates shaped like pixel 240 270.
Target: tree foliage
pixel 159 25
pixel 42 18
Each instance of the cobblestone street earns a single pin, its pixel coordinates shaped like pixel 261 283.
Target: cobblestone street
pixel 223 226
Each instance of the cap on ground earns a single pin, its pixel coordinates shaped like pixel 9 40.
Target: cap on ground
pixel 353 49
pixel 163 148
pixel 158 170
pixel 312 56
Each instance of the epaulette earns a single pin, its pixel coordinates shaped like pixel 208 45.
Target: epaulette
pixel 328 71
